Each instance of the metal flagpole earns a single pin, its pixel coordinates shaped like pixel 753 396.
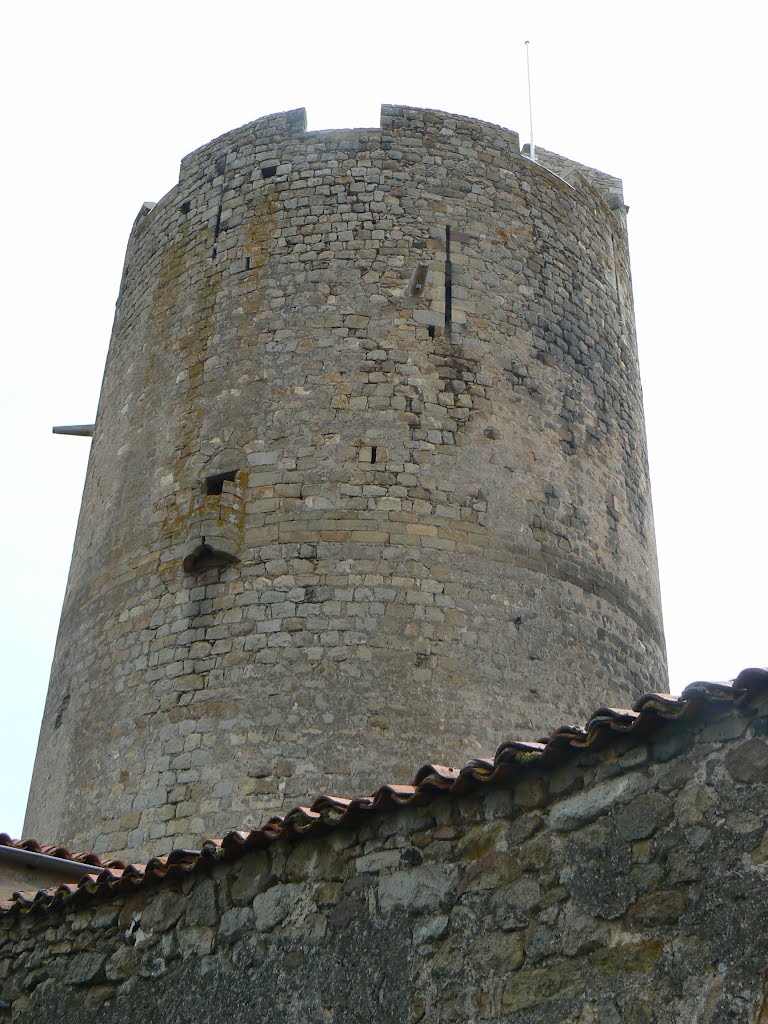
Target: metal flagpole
pixel 530 102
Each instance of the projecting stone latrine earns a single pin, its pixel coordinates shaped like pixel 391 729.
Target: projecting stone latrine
pixel 368 484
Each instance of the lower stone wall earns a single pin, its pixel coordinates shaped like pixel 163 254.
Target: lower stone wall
pixel 629 885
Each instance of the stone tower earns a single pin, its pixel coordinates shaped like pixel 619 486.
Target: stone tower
pixel 368 484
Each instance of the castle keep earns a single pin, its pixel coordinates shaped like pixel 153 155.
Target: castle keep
pixel 368 484
pixel 368 489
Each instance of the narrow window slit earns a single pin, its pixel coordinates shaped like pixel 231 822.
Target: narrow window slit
pixel 214 484
pixel 216 231
pixel 60 713
pixel 247 263
pixel 373 454
pixel 448 281
pixel 431 330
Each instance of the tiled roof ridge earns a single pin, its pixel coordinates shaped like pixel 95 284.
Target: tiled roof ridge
pixel 326 813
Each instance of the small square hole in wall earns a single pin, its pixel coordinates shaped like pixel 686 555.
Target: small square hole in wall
pixel 373 454
pixel 215 484
pixel 185 207
pixel 269 172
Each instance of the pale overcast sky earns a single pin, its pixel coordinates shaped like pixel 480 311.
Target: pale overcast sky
pixel 102 101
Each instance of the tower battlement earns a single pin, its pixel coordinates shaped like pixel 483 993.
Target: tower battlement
pixel 368 484
pixel 265 137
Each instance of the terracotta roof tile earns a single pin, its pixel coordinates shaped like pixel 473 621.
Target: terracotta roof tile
pixel 326 813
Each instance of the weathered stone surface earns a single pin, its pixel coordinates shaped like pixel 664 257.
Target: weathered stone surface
pixel 201 907
pixel 423 888
pixel 542 986
pixel 274 905
pixel 634 957
pixel 584 925
pixel 196 941
pixel 588 805
pixel 488 872
pixel 318 500
pixel 694 803
pixel 658 908
pixel 84 968
pixel 597 875
pixel 253 875
pixel 430 929
pixel 163 913
pixel 104 917
pixel 235 922
pixel 642 816
pixel 749 762
pixel 376 862
pixel 122 964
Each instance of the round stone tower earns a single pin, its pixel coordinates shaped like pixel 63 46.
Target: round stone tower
pixel 368 485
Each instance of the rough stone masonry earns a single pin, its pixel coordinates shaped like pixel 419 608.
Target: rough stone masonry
pixel 368 484
pixel 622 885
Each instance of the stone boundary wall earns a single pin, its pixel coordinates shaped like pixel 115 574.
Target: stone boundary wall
pixel 628 886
